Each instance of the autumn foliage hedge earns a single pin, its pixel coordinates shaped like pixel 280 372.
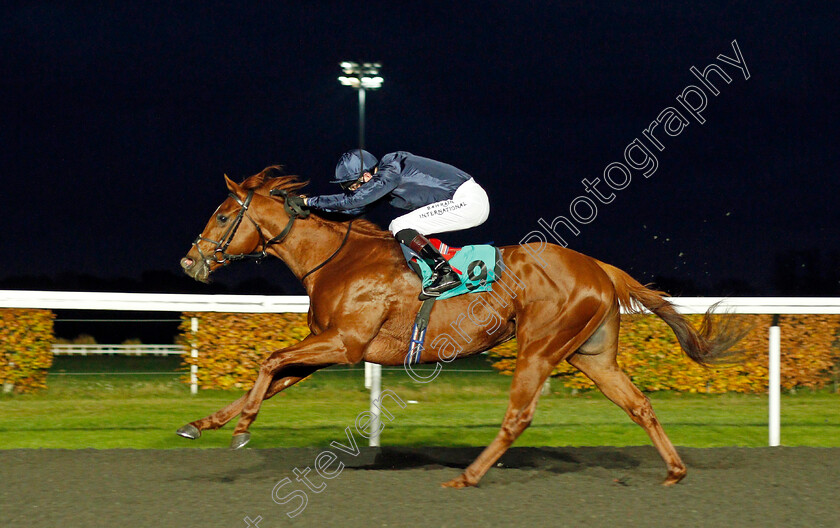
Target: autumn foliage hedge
pixel 650 355
pixel 231 346
pixel 26 336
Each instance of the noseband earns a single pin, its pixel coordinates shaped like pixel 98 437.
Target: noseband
pixel 220 254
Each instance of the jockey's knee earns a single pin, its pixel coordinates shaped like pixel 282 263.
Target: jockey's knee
pixel 397 225
pixel 404 235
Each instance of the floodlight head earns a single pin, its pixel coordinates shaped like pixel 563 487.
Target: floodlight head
pixel 371 68
pixel 364 76
pixel 349 81
pixel 371 83
pixel 350 68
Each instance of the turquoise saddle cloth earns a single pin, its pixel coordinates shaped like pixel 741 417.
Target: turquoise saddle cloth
pixel 479 266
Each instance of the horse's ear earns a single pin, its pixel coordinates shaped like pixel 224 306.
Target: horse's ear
pixel 232 186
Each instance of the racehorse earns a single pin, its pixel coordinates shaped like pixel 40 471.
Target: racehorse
pixel 558 303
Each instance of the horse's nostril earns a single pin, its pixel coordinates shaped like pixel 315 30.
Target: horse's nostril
pixel 187 263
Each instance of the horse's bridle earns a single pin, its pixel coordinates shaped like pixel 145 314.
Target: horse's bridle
pixel 294 211
pixel 220 254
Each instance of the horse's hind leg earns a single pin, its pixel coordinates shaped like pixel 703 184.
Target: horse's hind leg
pixel 524 395
pixel 597 362
pixel 537 358
pixel 219 418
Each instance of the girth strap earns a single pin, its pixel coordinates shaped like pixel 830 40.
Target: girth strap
pixel 418 332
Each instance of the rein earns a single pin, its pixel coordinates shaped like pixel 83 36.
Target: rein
pixel 220 254
pixel 321 265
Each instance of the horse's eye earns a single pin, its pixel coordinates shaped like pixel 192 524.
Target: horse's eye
pixel 222 218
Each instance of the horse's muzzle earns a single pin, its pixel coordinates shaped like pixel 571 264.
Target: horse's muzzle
pixel 197 269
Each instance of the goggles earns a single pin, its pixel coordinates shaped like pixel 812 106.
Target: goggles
pixel 352 185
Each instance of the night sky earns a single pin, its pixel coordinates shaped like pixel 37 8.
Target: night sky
pixel 119 121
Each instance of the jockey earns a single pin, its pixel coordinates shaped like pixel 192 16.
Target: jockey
pixel 440 198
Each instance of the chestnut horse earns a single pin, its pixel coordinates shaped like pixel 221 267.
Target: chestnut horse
pixel 559 304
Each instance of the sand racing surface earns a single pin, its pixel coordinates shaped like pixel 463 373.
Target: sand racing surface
pixel 400 487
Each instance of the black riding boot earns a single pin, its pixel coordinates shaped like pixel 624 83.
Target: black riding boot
pixel 443 278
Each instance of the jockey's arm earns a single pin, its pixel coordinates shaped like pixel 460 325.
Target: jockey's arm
pixel 378 187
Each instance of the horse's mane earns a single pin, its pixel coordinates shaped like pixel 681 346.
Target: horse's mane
pixel 274 177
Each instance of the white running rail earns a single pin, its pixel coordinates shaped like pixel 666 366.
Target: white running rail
pixel 300 304
pixel 154 302
pixel 61 349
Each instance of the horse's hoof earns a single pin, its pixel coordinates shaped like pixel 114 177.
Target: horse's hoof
pixel 458 483
pixel 674 477
pixel 239 440
pixel 189 431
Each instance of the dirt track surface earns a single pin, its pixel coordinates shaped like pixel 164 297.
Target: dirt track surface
pixel 725 487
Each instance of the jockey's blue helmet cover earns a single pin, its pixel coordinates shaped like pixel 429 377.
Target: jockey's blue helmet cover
pixel 347 168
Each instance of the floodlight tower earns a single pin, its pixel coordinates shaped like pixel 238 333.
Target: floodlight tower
pixel 365 77
pixel 362 77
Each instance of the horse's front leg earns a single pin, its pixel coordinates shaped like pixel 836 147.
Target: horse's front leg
pixel 316 351
pixel 281 381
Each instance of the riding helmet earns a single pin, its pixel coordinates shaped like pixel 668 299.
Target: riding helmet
pixel 347 168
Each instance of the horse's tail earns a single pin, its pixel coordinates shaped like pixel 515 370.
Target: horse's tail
pixel 706 345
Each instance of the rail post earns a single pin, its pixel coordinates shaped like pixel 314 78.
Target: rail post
pixel 193 354
pixel 774 388
pixel 368 368
pixel 9 386
pixel 375 394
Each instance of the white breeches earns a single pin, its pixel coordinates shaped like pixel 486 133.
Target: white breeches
pixel 469 207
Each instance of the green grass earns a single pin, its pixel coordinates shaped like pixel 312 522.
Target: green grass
pixel 459 408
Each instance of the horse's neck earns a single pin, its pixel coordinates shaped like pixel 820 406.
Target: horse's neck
pixel 312 241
